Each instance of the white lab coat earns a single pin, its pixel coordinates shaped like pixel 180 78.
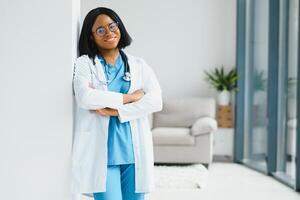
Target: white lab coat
pixel 89 152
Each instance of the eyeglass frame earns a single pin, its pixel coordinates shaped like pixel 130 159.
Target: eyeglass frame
pixel 117 28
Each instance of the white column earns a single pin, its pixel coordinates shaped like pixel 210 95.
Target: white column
pixel 36 53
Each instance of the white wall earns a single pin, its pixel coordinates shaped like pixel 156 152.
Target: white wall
pixel 36 53
pixel 179 39
pixel 35 99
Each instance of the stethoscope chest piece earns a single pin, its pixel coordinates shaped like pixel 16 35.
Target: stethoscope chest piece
pixel 127 76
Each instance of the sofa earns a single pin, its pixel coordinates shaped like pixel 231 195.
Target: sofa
pixel 183 131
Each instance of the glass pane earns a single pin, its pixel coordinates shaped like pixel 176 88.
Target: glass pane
pixel 256 82
pixel 292 87
pixel 287 123
pixel 286 166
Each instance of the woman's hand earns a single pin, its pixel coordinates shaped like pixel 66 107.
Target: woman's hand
pixel 107 112
pixel 135 96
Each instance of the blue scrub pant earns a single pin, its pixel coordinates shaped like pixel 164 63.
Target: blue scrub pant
pixel 120 184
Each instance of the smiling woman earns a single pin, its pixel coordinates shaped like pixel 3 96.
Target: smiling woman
pixel 114 92
pixel 106 36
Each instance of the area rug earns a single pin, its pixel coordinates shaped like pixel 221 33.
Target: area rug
pixel 180 177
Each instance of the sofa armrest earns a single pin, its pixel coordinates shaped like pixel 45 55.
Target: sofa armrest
pixel 204 125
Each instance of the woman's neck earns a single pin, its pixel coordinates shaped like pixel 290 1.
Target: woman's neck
pixel 110 55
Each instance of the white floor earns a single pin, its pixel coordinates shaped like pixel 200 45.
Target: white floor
pixel 231 182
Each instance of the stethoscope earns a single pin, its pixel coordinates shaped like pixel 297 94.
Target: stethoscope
pixel 127 76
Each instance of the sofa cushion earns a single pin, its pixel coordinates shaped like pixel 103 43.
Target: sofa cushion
pixel 184 112
pixel 172 136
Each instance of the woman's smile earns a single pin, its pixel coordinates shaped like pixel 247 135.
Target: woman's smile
pixel 111 39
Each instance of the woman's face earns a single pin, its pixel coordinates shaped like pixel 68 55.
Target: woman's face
pixel 105 34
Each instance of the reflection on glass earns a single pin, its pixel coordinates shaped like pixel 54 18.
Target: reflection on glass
pixel 256 82
pixel 291 127
pixel 292 87
pixel 287 124
pixel 259 111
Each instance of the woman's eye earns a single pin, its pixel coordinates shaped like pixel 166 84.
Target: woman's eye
pixel 100 30
pixel 112 26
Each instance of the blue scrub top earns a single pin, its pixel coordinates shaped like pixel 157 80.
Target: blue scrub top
pixel 119 144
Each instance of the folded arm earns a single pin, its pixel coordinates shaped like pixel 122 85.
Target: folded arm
pixel 90 98
pixel 135 96
pixel 149 103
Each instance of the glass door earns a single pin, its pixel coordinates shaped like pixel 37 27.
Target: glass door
pixel 256 78
pixel 287 95
pixel 267 135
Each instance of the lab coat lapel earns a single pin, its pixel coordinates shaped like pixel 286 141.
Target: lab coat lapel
pixel 97 69
pixel 133 73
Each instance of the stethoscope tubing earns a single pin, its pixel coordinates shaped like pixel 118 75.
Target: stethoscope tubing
pixel 127 74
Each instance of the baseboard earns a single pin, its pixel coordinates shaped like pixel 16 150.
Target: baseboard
pixel 222 158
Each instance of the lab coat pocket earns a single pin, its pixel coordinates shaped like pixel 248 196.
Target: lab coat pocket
pixel 81 147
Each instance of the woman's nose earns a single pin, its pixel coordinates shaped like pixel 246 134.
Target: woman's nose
pixel 108 32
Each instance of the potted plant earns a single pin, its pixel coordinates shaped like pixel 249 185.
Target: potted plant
pixel 259 80
pixel 223 82
pixel 259 84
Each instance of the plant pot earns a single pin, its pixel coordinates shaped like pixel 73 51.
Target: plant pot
pixel 259 109
pixel 224 98
pixel 259 97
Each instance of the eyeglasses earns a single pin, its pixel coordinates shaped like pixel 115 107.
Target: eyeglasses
pixel 101 31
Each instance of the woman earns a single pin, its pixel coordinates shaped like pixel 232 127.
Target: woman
pixel 114 92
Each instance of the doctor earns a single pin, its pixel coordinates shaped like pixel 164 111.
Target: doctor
pixel 112 155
